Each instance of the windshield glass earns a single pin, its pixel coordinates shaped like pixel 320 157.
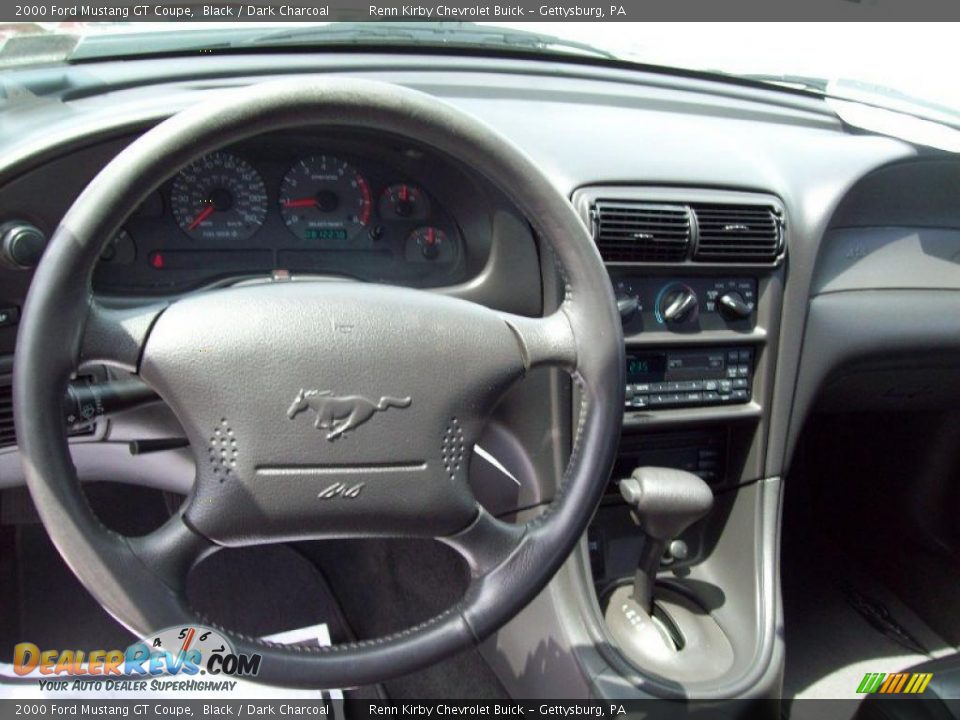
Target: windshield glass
pixel 910 67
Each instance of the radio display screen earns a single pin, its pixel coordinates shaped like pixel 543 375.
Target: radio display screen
pixel 646 367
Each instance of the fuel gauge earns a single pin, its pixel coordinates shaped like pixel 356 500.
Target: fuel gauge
pixel 404 202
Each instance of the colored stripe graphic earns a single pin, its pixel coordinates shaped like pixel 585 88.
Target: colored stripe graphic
pixel 870 682
pixel 906 683
pixel 919 682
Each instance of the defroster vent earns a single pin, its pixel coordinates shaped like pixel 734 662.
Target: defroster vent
pixel 641 232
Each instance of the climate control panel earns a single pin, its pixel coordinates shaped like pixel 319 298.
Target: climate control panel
pixel 658 379
pixel 685 305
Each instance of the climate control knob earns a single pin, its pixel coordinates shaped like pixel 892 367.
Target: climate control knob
pixel 678 303
pixel 733 307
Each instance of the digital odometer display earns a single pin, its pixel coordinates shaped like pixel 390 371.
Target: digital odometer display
pixel 325 234
pixel 646 367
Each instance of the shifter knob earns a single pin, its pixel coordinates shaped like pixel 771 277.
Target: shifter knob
pixel 663 502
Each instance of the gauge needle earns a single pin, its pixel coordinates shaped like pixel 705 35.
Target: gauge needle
pixel 302 202
pixel 204 214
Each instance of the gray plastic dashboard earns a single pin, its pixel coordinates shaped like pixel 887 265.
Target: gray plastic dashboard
pixel 582 125
pixel 872 268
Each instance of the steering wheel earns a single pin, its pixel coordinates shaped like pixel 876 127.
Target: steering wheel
pixel 319 409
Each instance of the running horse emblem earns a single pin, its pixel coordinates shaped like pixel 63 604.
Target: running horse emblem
pixel 340 413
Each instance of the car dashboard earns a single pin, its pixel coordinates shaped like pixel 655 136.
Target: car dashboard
pixel 735 223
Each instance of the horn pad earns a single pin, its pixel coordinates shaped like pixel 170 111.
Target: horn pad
pixel 324 409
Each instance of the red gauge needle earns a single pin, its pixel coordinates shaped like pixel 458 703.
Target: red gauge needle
pixel 302 202
pixel 204 214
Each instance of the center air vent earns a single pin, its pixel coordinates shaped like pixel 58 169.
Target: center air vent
pixel 641 232
pixel 737 233
pixel 7 435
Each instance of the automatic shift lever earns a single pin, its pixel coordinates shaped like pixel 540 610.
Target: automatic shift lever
pixel 663 503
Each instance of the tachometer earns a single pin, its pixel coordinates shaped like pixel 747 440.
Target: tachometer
pixel 219 197
pixel 323 198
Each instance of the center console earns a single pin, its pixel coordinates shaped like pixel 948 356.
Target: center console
pixel 673 592
pixel 698 278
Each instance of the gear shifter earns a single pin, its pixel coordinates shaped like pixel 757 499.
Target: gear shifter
pixel 663 503
pixel 677 638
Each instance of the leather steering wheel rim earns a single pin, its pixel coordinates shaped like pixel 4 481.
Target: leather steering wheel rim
pixel 63 326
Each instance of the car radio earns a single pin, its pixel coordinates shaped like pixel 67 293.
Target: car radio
pixel 685 378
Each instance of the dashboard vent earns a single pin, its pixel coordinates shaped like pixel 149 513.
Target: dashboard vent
pixel 641 232
pixel 737 233
pixel 7 435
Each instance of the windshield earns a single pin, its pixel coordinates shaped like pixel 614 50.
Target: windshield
pixel 909 67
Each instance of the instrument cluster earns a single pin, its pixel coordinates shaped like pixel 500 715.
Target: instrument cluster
pixel 276 207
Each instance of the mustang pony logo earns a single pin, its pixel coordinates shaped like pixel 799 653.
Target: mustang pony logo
pixel 340 413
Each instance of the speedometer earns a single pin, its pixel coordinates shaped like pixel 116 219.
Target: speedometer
pixel 219 197
pixel 323 198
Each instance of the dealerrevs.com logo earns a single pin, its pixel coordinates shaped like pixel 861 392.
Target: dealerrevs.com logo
pixel 177 652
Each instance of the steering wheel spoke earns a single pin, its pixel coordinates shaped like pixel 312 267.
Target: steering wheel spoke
pixel 172 550
pixel 544 341
pixel 116 336
pixel 486 543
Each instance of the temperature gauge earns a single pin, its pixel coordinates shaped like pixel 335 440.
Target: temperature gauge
pixel 429 243
pixel 404 202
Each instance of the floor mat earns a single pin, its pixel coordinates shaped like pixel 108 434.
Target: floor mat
pixel 264 590
pixel 841 624
pixel 388 585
